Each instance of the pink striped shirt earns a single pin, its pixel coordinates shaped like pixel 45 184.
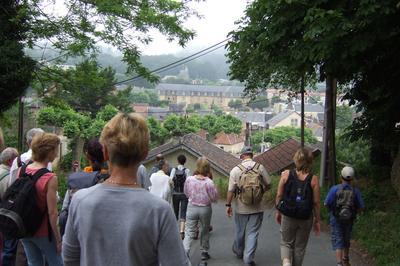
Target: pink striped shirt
pixel 200 190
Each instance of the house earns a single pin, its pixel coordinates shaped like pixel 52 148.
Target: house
pixel 159 113
pixel 199 94
pixel 256 119
pixel 232 143
pixel 280 157
pixel 284 119
pixel 310 110
pixel 193 147
pixel 141 108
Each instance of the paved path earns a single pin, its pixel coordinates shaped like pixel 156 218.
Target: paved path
pixel 319 252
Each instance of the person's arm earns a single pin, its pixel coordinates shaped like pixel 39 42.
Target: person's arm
pixel 172 174
pixel 71 250
pixel 212 191
pixel 170 248
pixel 360 201
pixel 231 189
pixel 316 204
pixel 266 177
pixel 279 193
pixel 52 187
pixel 66 201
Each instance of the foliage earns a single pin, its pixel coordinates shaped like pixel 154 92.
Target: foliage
pixel 280 134
pixel 158 134
pixel 216 109
pixel 15 68
pixel 181 125
pixel 235 104
pixel 356 42
pixel 88 88
pixel 145 96
pixel 260 103
pixel 344 117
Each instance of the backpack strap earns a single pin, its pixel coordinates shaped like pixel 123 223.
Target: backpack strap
pixel 307 183
pixel 19 162
pixel 4 175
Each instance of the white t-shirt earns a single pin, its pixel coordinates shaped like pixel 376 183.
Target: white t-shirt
pixel 160 185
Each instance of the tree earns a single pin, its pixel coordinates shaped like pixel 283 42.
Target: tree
pixel 280 134
pixel 158 134
pixel 145 96
pixel 344 117
pixel 85 88
pixel 235 104
pixel 351 42
pixel 15 68
pixel 260 102
pixel 79 29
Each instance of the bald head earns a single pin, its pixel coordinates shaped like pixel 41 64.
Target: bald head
pixel 8 155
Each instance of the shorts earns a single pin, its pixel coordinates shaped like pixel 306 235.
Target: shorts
pixel 340 234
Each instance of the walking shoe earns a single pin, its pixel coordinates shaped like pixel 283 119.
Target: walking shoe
pixel 237 254
pixel 205 255
pixel 203 263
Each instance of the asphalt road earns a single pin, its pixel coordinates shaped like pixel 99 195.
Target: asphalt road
pixel 319 251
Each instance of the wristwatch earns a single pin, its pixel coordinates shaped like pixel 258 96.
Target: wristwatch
pixel 228 205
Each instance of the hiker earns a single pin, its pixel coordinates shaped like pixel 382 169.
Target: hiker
pixel 46 242
pixel 249 207
pixel 201 192
pixel 178 176
pixel 25 157
pixel 95 173
pixel 344 201
pixel 117 222
pixel 160 182
pixel 298 208
pixel 143 179
pixel 8 246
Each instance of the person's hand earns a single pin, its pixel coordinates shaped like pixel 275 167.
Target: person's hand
pixel 278 217
pixel 59 245
pixel 317 227
pixel 229 211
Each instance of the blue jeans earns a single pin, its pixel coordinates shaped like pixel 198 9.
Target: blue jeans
pixel 9 251
pixel 37 249
pixel 340 233
pixel 252 224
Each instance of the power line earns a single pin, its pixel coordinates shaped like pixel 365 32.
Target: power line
pixel 181 61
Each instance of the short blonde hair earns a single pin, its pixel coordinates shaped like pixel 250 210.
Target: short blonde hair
pixel 203 166
pixel 303 159
pixel 126 138
pixel 44 145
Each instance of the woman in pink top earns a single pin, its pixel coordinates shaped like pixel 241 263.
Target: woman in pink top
pixel 201 192
pixel 42 245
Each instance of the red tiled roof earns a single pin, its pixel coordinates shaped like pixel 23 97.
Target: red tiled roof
pixel 280 157
pixel 220 159
pixel 141 108
pixel 228 139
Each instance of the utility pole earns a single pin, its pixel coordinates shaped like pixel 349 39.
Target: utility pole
pixel 20 124
pixel 302 111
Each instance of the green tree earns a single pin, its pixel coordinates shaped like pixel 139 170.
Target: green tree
pixel 145 96
pixel 158 134
pixel 85 88
pixel 235 104
pixel 260 102
pixel 344 117
pixel 280 134
pixel 180 125
pixel 77 31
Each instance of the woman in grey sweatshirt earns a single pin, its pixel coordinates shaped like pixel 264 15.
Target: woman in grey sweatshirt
pixel 118 222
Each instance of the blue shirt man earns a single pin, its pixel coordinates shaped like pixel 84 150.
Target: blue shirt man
pixel 341 232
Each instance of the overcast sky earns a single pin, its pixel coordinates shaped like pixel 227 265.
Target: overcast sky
pixel 218 20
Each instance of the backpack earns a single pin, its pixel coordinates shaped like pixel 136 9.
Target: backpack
pixel 179 180
pixel 345 210
pixel 297 201
pixel 20 216
pixel 251 187
pixel 77 181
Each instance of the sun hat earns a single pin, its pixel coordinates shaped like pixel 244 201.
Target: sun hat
pixel 347 173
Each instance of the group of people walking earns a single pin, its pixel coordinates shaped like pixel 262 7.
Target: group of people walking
pixel 115 213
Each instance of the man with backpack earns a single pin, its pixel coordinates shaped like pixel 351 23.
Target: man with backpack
pixel 247 183
pixel 344 202
pixel 178 176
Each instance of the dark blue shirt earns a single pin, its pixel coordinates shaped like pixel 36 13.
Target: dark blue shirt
pixel 330 200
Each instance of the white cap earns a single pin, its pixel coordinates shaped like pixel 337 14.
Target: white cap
pixel 347 173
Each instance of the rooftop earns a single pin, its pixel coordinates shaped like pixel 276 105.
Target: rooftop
pixel 279 117
pixel 228 139
pixel 309 108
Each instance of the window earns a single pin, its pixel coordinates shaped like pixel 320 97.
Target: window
pixel 294 122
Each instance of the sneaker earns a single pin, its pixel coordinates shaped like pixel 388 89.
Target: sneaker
pixel 237 254
pixel 205 255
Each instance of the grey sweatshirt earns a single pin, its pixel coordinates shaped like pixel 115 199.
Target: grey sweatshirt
pixel 110 225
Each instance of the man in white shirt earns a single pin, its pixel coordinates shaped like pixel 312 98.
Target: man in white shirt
pixel 25 157
pixel 160 182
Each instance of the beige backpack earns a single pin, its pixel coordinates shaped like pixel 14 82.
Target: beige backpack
pixel 251 186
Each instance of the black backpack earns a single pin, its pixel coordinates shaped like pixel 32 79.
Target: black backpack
pixel 179 180
pixel 345 210
pixel 76 181
pixel 20 216
pixel 297 201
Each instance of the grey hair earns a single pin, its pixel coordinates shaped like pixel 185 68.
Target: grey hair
pixel 8 154
pixel 31 134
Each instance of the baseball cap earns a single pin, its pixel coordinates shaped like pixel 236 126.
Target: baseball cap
pixel 246 150
pixel 347 173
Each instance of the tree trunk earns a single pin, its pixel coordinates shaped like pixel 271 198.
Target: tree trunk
pixel 302 112
pixel 395 174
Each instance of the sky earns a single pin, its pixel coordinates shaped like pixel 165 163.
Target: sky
pixel 218 20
